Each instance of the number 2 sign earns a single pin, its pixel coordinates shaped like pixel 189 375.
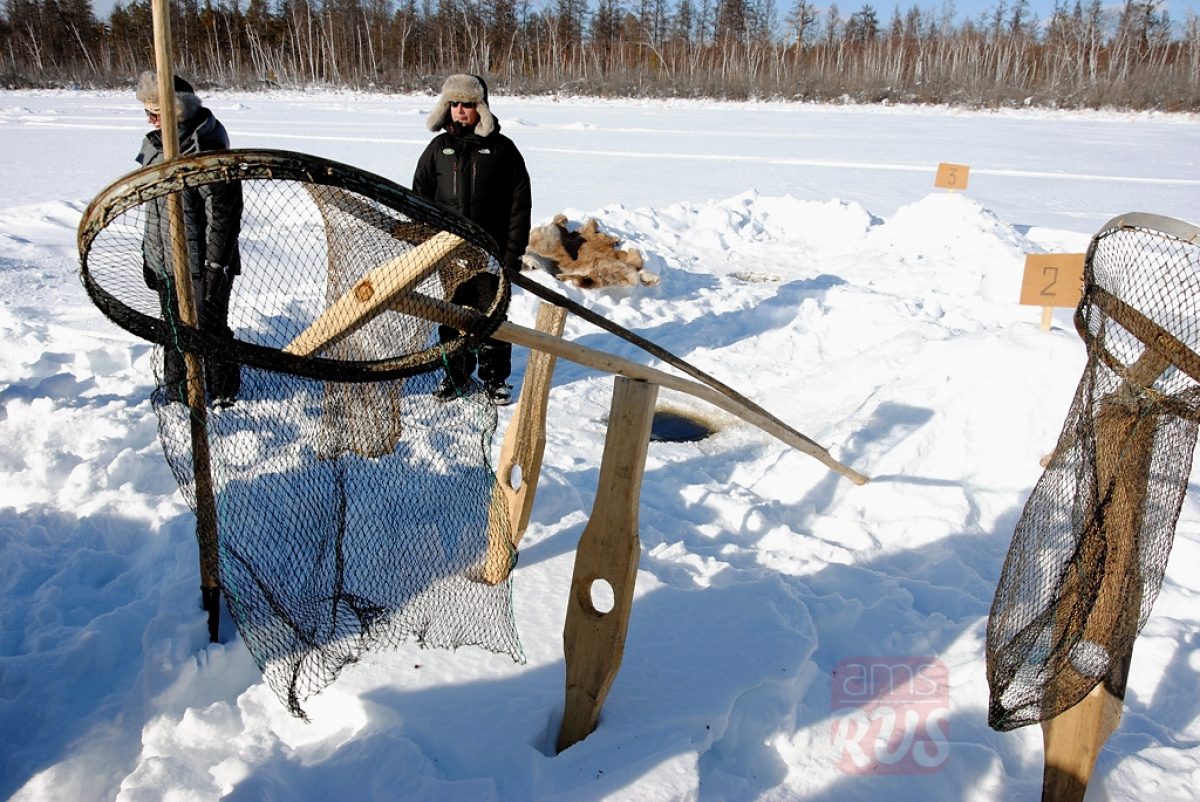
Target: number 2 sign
pixel 1052 279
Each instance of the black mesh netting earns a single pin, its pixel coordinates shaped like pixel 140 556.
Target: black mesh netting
pixel 354 508
pixel 1089 553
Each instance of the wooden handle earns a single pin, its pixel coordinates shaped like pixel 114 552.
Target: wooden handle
pixel 373 294
pixel 460 318
pixel 349 313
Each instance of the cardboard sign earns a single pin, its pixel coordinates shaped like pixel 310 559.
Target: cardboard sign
pixel 1052 279
pixel 952 176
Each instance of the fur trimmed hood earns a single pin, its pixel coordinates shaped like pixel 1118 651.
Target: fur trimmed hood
pixel 187 103
pixel 463 87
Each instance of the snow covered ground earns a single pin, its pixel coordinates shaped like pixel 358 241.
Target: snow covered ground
pixel 806 260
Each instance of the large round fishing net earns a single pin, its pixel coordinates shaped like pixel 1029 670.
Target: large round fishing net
pixel 1090 550
pixel 353 505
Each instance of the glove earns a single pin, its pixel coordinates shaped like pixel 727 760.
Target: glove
pixel 150 276
pixel 217 280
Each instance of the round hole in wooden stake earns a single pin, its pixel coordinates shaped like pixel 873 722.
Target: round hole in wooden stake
pixel 602 597
pixel 514 477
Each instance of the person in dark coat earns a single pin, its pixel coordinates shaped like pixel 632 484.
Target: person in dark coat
pixel 470 168
pixel 212 221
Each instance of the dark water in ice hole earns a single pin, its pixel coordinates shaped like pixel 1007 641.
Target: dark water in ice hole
pixel 675 427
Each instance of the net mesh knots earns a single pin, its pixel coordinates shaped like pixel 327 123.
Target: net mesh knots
pixel 355 508
pixel 1090 550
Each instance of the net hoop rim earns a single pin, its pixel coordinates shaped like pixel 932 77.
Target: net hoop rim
pixel 1151 222
pixel 158 180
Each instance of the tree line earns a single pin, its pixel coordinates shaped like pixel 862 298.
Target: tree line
pixel 1086 54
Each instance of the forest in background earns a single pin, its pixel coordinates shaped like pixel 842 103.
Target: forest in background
pixel 1085 55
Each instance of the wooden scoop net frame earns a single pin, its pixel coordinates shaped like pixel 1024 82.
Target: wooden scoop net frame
pixel 593 641
pixel 609 547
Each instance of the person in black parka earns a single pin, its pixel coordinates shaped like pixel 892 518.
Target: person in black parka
pixel 470 168
pixel 212 221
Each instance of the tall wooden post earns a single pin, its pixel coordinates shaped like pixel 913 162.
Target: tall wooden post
pixel 1073 739
pixel 206 508
pixel 594 641
pixel 1108 548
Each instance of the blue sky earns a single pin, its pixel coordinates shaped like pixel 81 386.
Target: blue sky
pixel 972 8
pixel 964 8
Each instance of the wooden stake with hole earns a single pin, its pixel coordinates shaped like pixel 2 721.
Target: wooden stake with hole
pixel 522 451
pixel 594 642
pixel 206 507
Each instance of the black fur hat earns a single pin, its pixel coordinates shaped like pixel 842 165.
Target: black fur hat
pixel 463 87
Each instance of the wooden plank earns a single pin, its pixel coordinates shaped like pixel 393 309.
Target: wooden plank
pixel 521 453
pixel 374 294
pixel 1162 347
pixel 594 640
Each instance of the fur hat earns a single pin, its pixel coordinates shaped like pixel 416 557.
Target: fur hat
pixel 186 101
pixel 463 87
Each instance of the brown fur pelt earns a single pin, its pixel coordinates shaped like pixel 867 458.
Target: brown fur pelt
pixel 587 257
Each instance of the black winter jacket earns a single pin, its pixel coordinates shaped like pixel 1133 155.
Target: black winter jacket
pixel 212 213
pixel 484 180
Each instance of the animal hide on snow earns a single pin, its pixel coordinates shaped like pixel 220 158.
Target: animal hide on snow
pixel 587 257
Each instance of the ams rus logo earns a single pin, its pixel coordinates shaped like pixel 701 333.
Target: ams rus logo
pixel 891 715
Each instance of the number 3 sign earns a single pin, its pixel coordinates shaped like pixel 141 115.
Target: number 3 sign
pixel 952 176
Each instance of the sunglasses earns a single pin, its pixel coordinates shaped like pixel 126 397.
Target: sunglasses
pixel 152 116
pixel 466 104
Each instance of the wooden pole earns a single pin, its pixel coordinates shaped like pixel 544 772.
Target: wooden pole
pixel 326 329
pixel 1109 549
pixel 444 312
pixel 206 508
pixel 522 451
pixel 594 641
pixel 460 317
pixel 1073 740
